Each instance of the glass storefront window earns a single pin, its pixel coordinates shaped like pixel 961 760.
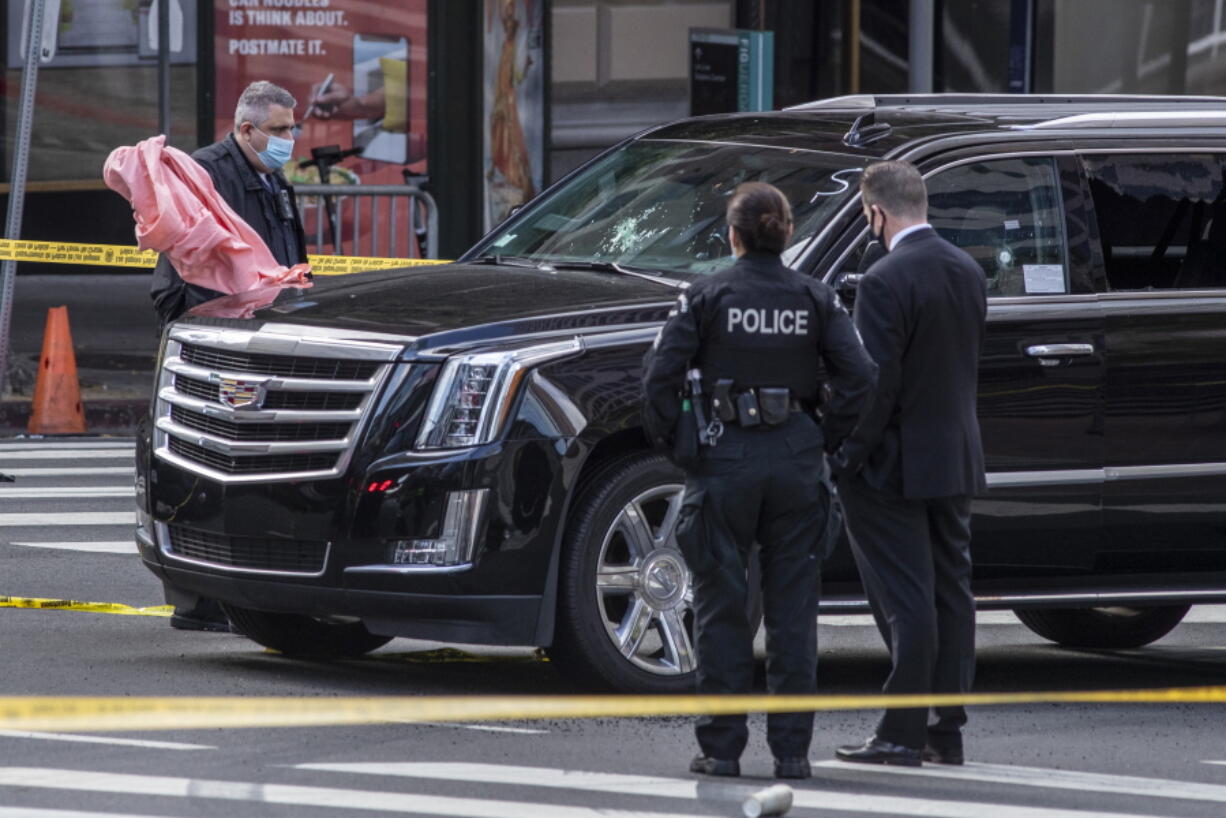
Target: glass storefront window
pixel 100 90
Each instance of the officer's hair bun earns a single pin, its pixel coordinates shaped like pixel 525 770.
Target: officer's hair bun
pixel 761 216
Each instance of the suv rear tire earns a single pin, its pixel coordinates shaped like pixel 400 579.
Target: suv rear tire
pixel 300 635
pixel 1115 627
pixel 625 618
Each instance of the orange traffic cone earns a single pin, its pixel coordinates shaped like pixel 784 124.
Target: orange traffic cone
pixel 57 395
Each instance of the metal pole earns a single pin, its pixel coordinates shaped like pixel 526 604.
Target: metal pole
pixel 17 188
pixel 852 41
pixel 163 23
pixel 922 29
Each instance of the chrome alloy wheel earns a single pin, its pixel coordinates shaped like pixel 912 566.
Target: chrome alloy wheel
pixel 644 590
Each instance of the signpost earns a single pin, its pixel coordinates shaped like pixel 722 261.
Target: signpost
pixel 731 70
pixel 41 27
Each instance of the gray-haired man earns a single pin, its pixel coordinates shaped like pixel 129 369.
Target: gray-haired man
pixel 246 170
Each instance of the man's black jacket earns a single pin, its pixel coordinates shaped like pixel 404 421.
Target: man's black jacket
pixel 920 311
pixel 241 187
pixel 703 331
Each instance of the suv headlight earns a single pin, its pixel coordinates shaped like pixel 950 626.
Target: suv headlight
pixel 472 399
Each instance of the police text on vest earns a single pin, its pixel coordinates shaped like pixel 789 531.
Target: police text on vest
pixel 760 321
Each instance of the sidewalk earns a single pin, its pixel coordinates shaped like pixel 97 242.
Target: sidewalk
pixel 114 334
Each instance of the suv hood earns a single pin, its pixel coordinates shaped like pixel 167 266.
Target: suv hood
pixel 453 304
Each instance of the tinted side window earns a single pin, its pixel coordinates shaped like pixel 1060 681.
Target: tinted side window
pixel 1007 215
pixel 1161 219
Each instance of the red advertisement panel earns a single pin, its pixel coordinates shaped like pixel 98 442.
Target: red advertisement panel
pixel 357 68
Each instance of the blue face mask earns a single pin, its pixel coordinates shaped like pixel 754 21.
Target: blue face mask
pixel 278 152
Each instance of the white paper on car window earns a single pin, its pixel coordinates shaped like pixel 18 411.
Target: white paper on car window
pixel 1013 224
pixel 1044 278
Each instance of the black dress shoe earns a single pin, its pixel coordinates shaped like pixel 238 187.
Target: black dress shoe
pixel 943 755
pixel 793 768
pixel 715 766
pixel 194 623
pixel 876 751
pixel 204 616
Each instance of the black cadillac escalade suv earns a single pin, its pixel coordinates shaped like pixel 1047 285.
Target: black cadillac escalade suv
pixel 455 453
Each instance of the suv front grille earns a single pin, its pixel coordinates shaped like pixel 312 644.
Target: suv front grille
pixel 253 553
pixel 302 401
pixel 238 415
pixel 282 365
pixel 252 463
pixel 277 432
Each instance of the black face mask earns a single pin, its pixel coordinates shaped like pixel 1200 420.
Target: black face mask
pixel 878 234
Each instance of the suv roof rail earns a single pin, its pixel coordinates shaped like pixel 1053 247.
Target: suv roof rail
pixel 1133 119
pixel 929 101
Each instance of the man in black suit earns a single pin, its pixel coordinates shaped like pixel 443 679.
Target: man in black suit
pixel 908 471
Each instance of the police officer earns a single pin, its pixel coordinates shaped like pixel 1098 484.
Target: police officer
pixel 760 334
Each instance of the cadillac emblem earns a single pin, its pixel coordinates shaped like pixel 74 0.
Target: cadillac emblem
pixel 241 394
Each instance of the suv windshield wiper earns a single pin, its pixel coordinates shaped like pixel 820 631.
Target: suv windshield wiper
pixel 510 261
pixel 621 269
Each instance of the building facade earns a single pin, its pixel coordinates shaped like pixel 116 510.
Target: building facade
pixel 487 101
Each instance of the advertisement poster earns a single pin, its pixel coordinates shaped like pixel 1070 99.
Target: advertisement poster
pixel 358 70
pixel 514 105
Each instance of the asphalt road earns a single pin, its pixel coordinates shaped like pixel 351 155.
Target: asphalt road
pixel 65 533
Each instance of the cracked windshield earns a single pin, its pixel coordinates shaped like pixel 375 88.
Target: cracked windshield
pixel 660 205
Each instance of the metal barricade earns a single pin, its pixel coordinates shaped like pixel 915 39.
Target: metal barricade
pixel 390 221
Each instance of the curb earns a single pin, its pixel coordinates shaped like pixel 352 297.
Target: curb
pixel 109 416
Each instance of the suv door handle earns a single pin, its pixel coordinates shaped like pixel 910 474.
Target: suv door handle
pixel 1059 350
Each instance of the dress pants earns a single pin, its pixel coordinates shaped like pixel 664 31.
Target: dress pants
pixel 757 485
pixel 914 559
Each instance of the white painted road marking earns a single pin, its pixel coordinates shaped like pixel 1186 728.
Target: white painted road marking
pixel 43 518
pixel 866 620
pixel 1200 614
pixel 65 454
pixel 28 446
pixel 65 492
pixel 112 547
pixel 118 742
pixel 489 728
pixel 317 797
pixel 82 472
pixel 556 778
pixel 43 812
pixel 1052 779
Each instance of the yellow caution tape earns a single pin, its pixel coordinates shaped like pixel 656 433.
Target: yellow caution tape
pixel 89 607
pixel 119 255
pixel 345 265
pixel 53 713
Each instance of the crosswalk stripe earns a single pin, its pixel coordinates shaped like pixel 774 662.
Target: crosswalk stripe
pixel 118 742
pixel 556 778
pixel 48 518
pixel 65 454
pixel 79 472
pixel 318 797
pixel 26 446
pixel 46 812
pixel 1200 614
pixel 88 546
pixel 866 620
pixel 1055 779
pixel 65 492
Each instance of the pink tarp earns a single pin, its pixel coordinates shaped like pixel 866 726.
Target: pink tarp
pixel 178 212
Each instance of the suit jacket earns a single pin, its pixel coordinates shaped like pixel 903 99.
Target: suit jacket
pixel 921 313
pixel 239 184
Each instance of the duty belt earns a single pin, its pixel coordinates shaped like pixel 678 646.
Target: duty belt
pixel 750 407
